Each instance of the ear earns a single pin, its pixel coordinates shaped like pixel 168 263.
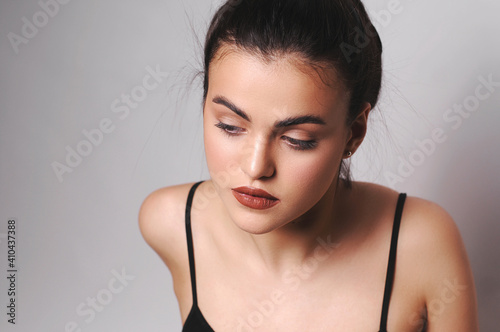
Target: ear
pixel 357 130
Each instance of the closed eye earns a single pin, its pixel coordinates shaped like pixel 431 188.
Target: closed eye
pixel 293 143
pixel 228 129
pixel 300 145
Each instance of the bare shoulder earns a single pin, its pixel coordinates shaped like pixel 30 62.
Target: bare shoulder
pixel 431 253
pixel 434 236
pixel 427 231
pixel 430 224
pixel 427 225
pixel 161 221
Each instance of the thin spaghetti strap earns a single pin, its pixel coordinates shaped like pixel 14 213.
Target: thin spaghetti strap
pixel 189 238
pixel 392 261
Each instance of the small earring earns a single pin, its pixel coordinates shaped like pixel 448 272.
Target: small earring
pixel 349 154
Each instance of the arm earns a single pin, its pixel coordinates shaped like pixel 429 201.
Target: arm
pixel 161 221
pixel 448 283
pixel 162 227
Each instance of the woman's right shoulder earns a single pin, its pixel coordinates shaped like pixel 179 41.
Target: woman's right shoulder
pixel 162 224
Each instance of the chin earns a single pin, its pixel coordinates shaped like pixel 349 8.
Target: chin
pixel 256 225
pixel 255 229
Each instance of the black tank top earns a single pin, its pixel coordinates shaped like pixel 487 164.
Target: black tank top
pixel 195 321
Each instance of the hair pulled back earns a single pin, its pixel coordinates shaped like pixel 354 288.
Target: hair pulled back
pixel 336 34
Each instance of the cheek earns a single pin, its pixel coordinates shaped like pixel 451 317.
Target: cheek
pixel 213 151
pixel 312 175
pixel 220 160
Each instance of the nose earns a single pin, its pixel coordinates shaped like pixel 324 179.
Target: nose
pixel 258 160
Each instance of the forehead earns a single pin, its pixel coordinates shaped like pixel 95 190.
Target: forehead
pixel 285 83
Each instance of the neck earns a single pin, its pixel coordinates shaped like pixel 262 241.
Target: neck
pixel 315 234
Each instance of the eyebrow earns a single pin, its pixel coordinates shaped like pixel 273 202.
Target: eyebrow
pixel 290 121
pixel 223 101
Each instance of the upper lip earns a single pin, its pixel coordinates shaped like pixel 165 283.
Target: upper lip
pixel 255 192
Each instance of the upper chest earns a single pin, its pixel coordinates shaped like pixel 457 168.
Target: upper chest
pixel 333 291
pixel 308 308
pixel 338 288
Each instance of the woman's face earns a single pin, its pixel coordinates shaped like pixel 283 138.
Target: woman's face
pixel 274 126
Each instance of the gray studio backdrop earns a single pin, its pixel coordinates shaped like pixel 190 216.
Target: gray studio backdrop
pixel 95 113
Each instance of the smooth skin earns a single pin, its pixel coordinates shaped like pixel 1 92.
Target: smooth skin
pixel 317 260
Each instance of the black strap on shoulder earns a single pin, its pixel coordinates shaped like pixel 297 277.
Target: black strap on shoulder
pixel 392 262
pixel 189 238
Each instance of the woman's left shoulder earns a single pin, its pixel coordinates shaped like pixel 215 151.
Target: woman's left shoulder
pixel 432 254
pixel 430 230
pixel 429 222
pixel 426 221
pixel 425 225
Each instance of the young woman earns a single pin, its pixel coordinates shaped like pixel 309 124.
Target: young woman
pixel 279 238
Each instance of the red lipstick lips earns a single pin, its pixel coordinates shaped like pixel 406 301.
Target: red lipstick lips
pixel 254 198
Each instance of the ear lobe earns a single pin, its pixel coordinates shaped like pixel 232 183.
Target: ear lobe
pixel 358 129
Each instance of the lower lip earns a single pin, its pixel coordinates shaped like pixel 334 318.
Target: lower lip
pixel 253 202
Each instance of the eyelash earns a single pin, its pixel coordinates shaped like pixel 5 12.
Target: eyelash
pixel 228 129
pixel 296 144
